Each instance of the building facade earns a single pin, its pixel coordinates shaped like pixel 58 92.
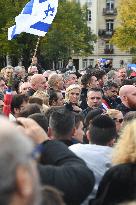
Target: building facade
pixel 102 21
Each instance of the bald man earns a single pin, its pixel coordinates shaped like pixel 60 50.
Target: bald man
pixel 127 95
pixel 38 82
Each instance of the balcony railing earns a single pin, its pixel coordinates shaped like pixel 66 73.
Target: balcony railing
pixel 108 51
pixel 105 33
pixel 107 11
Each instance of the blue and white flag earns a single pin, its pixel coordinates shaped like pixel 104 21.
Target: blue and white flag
pixel 35 18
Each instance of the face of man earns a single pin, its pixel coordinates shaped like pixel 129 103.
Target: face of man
pixel 72 79
pixel 131 98
pixel 93 82
pixel 60 101
pixel 103 80
pixel 8 73
pixel 94 99
pixel 112 92
pixel 41 85
pixel 122 74
pixel 60 83
pixel 18 110
pixel 34 70
pixel 79 132
pixel 24 88
pixel 74 95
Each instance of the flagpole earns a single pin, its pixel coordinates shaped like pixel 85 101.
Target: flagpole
pixel 36 48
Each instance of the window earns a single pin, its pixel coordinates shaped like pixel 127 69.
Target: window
pixel 84 63
pixel 108 46
pixel 91 62
pixel 89 18
pixel 89 3
pixel 110 4
pixel 110 25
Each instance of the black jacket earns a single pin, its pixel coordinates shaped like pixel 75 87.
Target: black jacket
pixel 112 104
pixel 83 98
pixel 124 109
pixel 117 186
pixel 61 168
pixel 30 92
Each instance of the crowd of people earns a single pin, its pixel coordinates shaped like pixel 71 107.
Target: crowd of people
pixel 70 137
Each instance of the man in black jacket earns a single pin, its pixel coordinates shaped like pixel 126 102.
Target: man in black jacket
pixel 59 167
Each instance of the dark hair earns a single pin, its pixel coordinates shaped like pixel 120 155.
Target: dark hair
pixel 117 186
pixel 102 130
pixel 91 115
pixel 86 78
pixel 99 74
pixel 41 120
pixel 2 78
pixel 110 84
pixel 17 101
pixel 78 118
pixel 30 109
pixel 62 122
pixel 36 100
pixel 51 110
pixel 95 90
pixel 127 82
pixel 51 196
pixel 52 97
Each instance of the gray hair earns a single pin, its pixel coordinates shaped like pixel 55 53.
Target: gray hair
pixel 15 149
pixel 18 69
pixel 111 74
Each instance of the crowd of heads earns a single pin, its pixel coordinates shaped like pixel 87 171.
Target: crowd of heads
pixel 97 107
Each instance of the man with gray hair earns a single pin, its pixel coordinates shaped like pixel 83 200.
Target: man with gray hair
pixel 19 183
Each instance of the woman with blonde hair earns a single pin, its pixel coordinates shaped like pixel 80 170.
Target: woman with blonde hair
pixel 125 149
pixel 72 97
pixel 117 116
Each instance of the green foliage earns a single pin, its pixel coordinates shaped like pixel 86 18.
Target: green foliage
pixel 125 35
pixel 69 33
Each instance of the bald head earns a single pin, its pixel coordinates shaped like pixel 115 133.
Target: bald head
pixel 124 90
pixel 127 94
pixel 38 82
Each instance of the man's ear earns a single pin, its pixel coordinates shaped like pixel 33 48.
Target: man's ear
pixel 50 133
pixel 16 110
pixel 24 182
pixel 73 131
pixel 88 135
pixel 111 143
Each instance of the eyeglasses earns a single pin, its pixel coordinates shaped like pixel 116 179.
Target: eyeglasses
pixel 118 120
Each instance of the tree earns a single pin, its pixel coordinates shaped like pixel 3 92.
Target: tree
pixel 125 33
pixel 69 33
pixel 21 47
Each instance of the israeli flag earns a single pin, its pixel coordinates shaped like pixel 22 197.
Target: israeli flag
pixel 35 18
